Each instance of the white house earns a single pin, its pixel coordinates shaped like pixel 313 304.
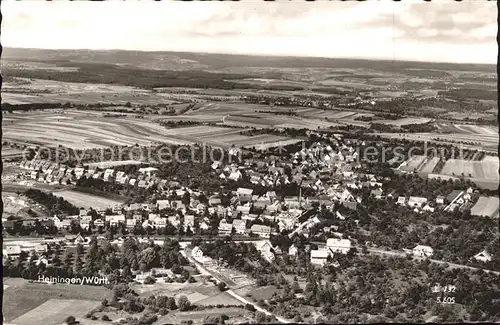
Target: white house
pixel 292 251
pixel 423 251
pixel 440 199
pixel 484 256
pixel 401 200
pixel 225 228
pixel 266 250
pixel 320 256
pixel 197 253
pixel 239 226
pixel 189 222
pixel 339 245
pixel 416 202
pixel 261 230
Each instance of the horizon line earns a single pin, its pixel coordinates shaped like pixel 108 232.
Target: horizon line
pixel 251 54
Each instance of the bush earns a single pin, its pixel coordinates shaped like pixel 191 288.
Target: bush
pixel 70 320
pixel 149 280
pixel 250 307
pixel 222 286
pixel 105 318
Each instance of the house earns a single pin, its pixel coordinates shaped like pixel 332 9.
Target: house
pixel 197 253
pixel 12 251
pixel 98 223
pixel 416 202
pixel 225 228
pixel 350 205
pixel 376 193
pixel 131 223
pixel 261 230
pixel 483 256
pixel 440 199
pixel 204 226
pixel 239 225
pixel 244 194
pixel 214 201
pixel 79 239
pixel 401 200
pixel 235 175
pixel 188 222
pixel 116 219
pixel 339 245
pixel 428 208
pixel 42 260
pixel 423 251
pixel 320 256
pixel 162 204
pixel 293 250
pixel 174 221
pixel 159 222
pixel 265 250
pixel 245 210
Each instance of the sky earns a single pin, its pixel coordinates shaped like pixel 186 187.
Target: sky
pixel 444 31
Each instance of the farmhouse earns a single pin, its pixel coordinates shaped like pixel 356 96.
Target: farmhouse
pixel 377 193
pixel 401 200
pixel 261 231
pixel 483 256
pixel 244 194
pixel 239 225
pixel 416 202
pixel 266 250
pixel 225 228
pixel 339 245
pixel 423 251
pixel 320 256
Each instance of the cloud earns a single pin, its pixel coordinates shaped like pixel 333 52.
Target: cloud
pixel 451 23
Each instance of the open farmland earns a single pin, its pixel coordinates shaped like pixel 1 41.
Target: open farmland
pixel 405 121
pixel 413 164
pixel 49 91
pixel 237 316
pixel 21 297
pixel 85 130
pixel 55 311
pixel 486 168
pixel 428 167
pixel 84 200
pixel 486 206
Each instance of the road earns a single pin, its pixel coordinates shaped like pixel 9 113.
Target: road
pixel 451 265
pixel 243 300
pixel 204 270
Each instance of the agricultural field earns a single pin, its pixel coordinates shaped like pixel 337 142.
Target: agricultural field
pixel 84 200
pixel 49 91
pixel 22 301
pixel 55 311
pixel 428 167
pixel 413 164
pixel 236 315
pixel 405 121
pixel 486 168
pixel 111 164
pixel 85 130
pixel 486 206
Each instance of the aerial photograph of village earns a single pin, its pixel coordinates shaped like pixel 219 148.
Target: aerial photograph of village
pixel 249 163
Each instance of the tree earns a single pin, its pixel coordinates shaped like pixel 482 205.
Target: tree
pixel 222 286
pixel 184 303
pixel 70 320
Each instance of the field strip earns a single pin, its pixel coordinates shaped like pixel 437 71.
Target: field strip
pixel 430 165
pixel 54 312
